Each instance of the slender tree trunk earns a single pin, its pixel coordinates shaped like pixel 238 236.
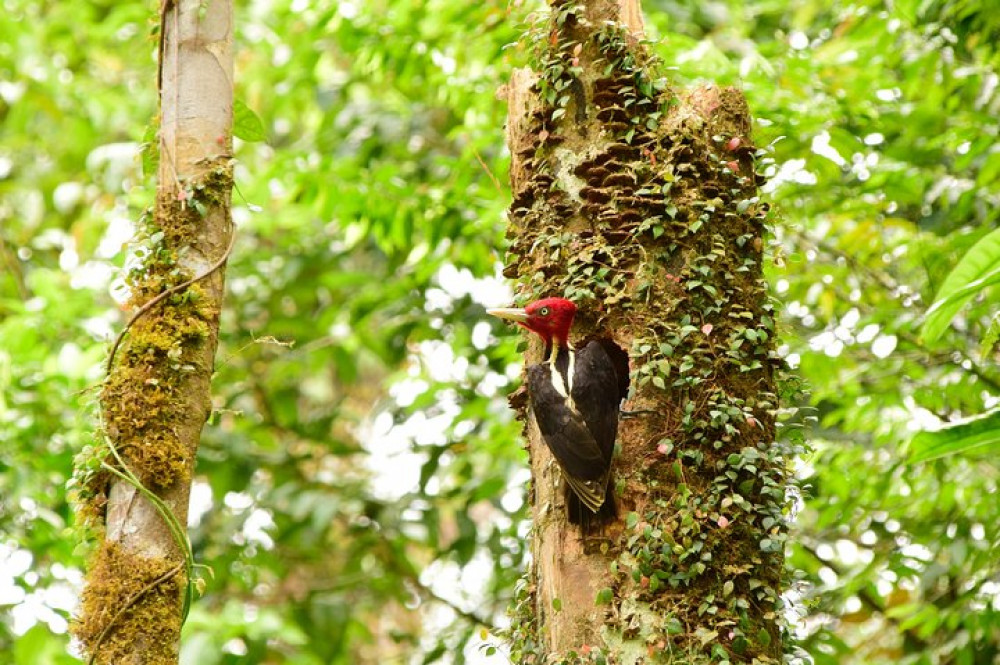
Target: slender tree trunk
pixel 157 394
pixel 639 203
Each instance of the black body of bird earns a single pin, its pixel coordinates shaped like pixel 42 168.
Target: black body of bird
pixel 575 397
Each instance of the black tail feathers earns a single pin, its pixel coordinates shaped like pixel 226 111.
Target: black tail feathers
pixel 579 514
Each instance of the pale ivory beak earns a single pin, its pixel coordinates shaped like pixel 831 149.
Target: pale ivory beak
pixel 515 314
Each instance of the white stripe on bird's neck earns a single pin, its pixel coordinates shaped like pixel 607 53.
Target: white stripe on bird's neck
pixel 561 386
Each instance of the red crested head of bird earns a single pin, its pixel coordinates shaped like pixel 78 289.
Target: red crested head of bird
pixel 549 318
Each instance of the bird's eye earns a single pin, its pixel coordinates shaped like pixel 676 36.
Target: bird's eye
pixel 544 311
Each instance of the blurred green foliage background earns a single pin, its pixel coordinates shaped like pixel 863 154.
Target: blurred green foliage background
pixel 360 490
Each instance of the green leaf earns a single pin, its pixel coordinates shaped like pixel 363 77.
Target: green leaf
pixel 604 596
pixel 990 337
pixel 246 124
pixel 434 654
pixel 150 150
pixel 975 434
pixel 977 269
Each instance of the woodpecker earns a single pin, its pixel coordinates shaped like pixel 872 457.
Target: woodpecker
pixel 575 395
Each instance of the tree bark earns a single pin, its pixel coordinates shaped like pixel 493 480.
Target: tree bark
pixel 157 398
pixel 639 203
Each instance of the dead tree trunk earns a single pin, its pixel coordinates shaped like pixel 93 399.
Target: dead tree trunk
pixel 639 203
pixel 156 397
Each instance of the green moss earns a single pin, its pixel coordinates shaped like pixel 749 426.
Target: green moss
pixel 142 398
pixel 119 579
pixel 144 403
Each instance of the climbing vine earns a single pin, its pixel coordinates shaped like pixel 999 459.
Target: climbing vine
pixel 639 203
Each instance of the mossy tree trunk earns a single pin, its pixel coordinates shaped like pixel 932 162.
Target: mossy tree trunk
pixel 639 203
pixel 156 397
